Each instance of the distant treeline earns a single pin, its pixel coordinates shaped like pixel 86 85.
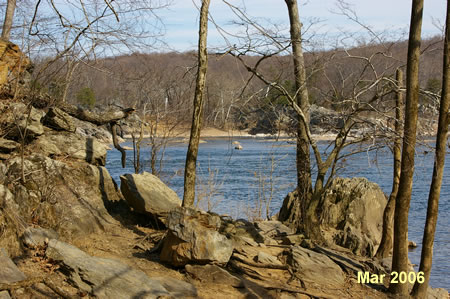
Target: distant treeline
pixel 163 83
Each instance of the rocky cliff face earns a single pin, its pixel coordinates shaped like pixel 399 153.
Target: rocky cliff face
pixel 13 63
pixel 50 175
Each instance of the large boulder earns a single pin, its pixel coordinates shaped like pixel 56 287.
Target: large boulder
pixel 68 144
pixel 194 237
pixel 312 267
pixel 147 194
pixel 59 120
pixel 38 236
pixel 101 277
pixel 352 214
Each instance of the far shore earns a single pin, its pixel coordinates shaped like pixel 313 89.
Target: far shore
pixel 208 133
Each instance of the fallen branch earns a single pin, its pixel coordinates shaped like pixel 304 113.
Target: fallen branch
pixel 116 143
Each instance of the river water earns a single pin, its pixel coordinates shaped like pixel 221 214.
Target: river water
pixel 242 183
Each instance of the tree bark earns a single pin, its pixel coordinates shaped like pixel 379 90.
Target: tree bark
pixel 9 16
pixel 400 252
pixel 385 247
pixel 296 211
pixel 191 156
pixel 420 289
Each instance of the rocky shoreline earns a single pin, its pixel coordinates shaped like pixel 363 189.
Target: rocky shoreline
pixel 72 233
pixel 68 231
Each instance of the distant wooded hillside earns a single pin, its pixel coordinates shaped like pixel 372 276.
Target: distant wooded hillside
pixel 163 83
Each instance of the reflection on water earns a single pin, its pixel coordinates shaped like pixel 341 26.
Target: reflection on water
pixel 240 183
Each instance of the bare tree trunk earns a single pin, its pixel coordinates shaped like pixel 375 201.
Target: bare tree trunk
pixel 400 252
pixel 191 156
pixel 388 217
pixel 295 212
pixel 9 16
pixel 420 289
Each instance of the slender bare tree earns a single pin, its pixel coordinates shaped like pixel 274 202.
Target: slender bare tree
pixel 192 152
pixel 385 247
pixel 304 183
pixel 356 90
pixel 9 16
pixel 420 288
pixel 402 202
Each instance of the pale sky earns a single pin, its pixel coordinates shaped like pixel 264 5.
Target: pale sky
pixel 181 19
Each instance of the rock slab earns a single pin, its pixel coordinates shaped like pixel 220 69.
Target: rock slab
pixel 9 272
pixel 265 258
pixel 59 120
pixel 101 277
pixel 315 267
pixel 4 295
pixel 213 274
pixel 147 194
pixel 177 288
pixel 194 237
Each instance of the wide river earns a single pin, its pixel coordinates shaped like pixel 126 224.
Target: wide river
pixel 242 183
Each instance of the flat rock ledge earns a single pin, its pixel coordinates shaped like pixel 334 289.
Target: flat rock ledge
pixel 108 278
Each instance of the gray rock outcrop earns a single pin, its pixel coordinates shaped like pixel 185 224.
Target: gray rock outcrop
pixel 23 121
pixel 101 277
pixel 72 145
pixel 59 120
pixel 71 199
pixel 352 214
pixel 101 133
pixel 194 237
pixel 147 194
